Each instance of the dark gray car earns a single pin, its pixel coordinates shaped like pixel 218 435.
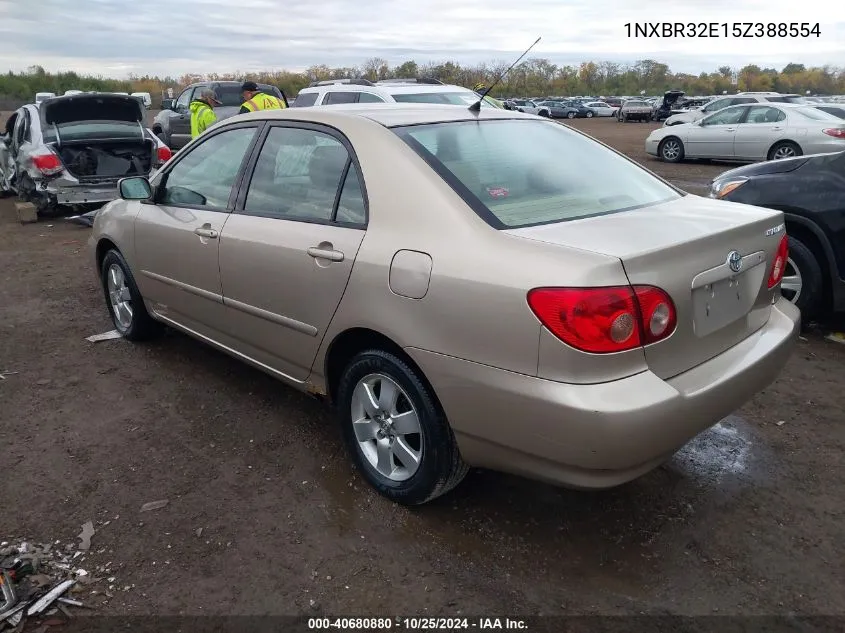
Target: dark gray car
pixel 173 124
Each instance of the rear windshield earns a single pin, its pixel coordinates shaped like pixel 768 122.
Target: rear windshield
pixel 814 113
pixel 82 130
pixel 453 98
pixel 517 173
pixel 231 95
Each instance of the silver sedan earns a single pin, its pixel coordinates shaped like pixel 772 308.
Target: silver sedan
pixel 751 132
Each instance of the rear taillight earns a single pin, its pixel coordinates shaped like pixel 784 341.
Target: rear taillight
pixel 836 132
pixel 164 154
pixel 605 320
pixel 48 164
pixel 779 263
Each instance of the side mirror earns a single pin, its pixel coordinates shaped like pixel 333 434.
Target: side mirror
pixel 167 104
pixel 135 188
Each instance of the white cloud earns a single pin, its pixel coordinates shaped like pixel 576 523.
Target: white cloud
pixel 117 37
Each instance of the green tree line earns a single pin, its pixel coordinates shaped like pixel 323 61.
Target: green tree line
pixel 534 77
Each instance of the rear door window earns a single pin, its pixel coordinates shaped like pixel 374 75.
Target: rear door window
pixel 368 97
pixel 335 98
pixel 298 176
pixel 304 100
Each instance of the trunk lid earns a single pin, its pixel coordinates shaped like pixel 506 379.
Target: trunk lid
pixel 684 246
pixel 92 107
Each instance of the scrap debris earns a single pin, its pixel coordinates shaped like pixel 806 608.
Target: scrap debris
pixel 105 336
pixel 3 374
pixel 153 505
pixel 34 579
pixel 85 536
pixel 836 337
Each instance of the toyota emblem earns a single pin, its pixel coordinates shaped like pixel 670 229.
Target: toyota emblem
pixel 735 261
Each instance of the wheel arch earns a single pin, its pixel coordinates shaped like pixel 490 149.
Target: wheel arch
pixel 811 235
pixel 345 345
pixel 104 245
pixel 783 141
pixel 669 138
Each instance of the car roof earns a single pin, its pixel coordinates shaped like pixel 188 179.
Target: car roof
pixel 386 114
pixel 394 89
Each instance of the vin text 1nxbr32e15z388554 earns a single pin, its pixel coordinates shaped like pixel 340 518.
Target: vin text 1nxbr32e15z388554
pixel 740 30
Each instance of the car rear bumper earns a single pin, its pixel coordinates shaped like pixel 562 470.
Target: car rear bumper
pixel 601 435
pixel 81 194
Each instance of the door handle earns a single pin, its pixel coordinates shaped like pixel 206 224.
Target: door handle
pixel 730 129
pixel 777 129
pixel 206 232
pixel 324 253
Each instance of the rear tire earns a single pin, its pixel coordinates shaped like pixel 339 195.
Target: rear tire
pixel 784 149
pixel 123 300
pixel 804 280
pixel 378 444
pixel 589 115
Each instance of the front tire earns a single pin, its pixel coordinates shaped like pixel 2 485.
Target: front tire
pixel 125 303
pixel 395 431
pixel 803 283
pixel 671 150
pixel 589 115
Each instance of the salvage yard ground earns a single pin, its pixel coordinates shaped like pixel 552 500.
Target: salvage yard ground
pixel 265 515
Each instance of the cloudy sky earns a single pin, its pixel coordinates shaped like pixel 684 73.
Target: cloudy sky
pixel 119 37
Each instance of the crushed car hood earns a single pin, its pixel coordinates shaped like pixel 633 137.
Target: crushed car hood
pixel 92 107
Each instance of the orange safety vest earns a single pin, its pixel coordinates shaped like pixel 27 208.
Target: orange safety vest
pixel 262 101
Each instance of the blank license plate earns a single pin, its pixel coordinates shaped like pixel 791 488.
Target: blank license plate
pixel 721 303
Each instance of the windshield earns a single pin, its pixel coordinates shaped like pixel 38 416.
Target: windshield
pixel 454 97
pixel 512 174
pixel 231 95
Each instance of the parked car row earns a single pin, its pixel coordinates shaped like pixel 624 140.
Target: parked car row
pixel 562 109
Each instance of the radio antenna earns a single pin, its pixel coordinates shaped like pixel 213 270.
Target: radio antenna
pixel 476 107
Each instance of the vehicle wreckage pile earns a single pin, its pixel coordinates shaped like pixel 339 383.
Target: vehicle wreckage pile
pixel 38 580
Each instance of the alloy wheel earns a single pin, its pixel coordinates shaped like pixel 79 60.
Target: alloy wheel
pixel 671 150
pixel 387 427
pixel 119 296
pixel 785 151
pixel 792 282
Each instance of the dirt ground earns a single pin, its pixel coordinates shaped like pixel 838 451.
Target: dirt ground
pixel 747 519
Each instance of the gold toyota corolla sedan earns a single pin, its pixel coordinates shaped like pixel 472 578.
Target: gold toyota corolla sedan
pixel 466 288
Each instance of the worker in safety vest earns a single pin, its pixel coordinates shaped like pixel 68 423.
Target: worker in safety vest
pixel 202 112
pixel 479 90
pixel 255 100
